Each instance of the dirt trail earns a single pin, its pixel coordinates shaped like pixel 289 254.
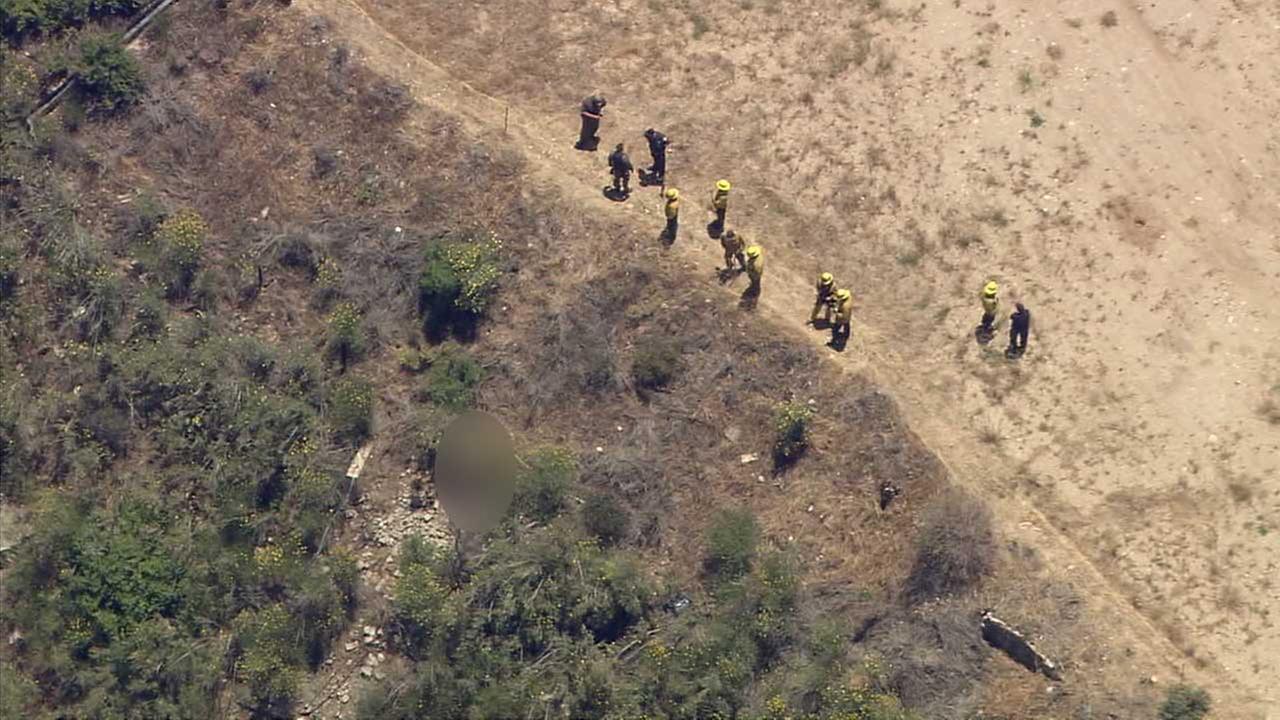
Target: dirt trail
pixel 786 300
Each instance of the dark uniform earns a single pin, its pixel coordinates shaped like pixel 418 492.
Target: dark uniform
pixel 825 301
pixel 592 110
pixel 1019 327
pixel 620 166
pixel 658 149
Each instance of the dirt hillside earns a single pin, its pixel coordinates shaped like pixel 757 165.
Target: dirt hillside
pixel 1109 165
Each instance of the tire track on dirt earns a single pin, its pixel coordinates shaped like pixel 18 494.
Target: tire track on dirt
pixel 552 163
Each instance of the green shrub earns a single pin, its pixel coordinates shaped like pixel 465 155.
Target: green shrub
pixel 257 358
pixel 542 488
pixel 149 319
pixel 956 547
pixel 327 280
pixel 1185 702
pixel 605 518
pixel 452 379
pixel 101 305
pixel 459 281
pixel 110 79
pixel 655 363
pixel 268 659
pixel 731 544
pixel 24 18
pixel 17 693
pixel 420 602
pixel 179 240
pixel 19 82
pixel 121 572
pixel 345 335
pixel 791 423
pixel 350 410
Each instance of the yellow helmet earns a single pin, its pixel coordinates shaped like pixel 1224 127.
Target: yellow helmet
pixel 723 185
pixel 826 278
pixel 843 294
pixel 991 289
pixel 753 251
pixel 672 193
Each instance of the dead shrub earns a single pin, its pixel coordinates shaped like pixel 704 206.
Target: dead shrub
pixel 605 518
pixel 387 102
pixel 1269 410
pixel 956 547
pixel 655 363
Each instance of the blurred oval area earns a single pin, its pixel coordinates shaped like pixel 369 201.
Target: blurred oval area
pixel 475 471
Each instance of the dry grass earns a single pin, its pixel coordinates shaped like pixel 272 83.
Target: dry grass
pixel 956 547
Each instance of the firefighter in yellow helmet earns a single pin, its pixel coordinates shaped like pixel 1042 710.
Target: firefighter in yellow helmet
pixel 734 243
pixel 720 204
pixel 755 266
pixel 826 298
pixel 990 302
pixel 671 208
pixel 843 305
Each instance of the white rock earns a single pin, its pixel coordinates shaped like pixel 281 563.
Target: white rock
pixel 749 458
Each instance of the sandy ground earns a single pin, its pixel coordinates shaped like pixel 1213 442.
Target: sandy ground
pixel 1115 172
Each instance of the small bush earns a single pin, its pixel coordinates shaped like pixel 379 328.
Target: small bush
pixel 791 423
pixel 956 547
pixel 731 544
pixel 256 357
pixel 420 609
pixel 328 280
pixel 605 518
pixel 655 363
pixel 458 282
pixel 345 340
pixel 180 242
pixel 110 79
pixel 1185 702
pixel 19 85
pixel 1110 19
pixel 295 252
pixel 542 488
pixel 452 380
pixel 149 319
pixel 350 410
pixel 268 659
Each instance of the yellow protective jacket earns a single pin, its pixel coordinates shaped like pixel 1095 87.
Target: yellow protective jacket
pixel 989 302
pixel 720 200
pixel 755 266
pixel 826 293
pixel 672 209
pixel 844 311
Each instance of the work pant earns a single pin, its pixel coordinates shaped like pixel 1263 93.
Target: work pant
pixel 840 333
pixel 988 319
pixel 673 225
pixel 720 217
pixel 730 256
pixel 659 169
pixel 1017 341
pixel 622 183
pixel 587 137
pixel 754 277
pixel 821 304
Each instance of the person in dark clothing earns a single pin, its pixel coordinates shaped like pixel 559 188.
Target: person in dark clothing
pixel 1019 326
pixel 658 149
pixel 592 110
pixel 620 166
